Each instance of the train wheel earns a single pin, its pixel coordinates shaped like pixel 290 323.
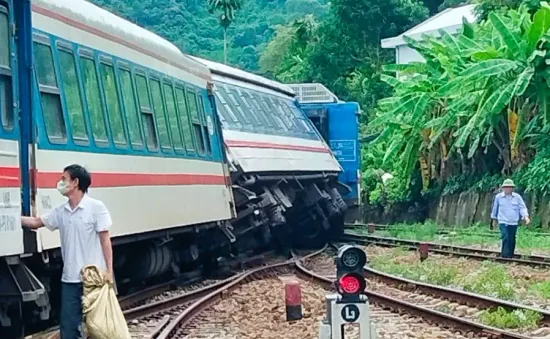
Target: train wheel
pixel 311 234
pixel 316 232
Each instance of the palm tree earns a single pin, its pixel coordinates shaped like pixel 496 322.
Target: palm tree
pixel 228 9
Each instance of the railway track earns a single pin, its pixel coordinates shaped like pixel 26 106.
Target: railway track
pixel 382 303
pixel 457 251
pixel 157 304
pixel 452 301
pixel 394 302
pixel 383 227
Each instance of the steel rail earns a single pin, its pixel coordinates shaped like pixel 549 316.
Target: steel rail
pixel 160 305
pixel 459 296
pixel 441 231
pixel 128 302
pixel 457 251
pixel 455 295
pixel 190 312
pixel 440 318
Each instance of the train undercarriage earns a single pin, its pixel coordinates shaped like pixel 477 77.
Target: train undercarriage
pixel 273 212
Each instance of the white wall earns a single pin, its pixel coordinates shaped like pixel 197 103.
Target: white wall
pixel 405 55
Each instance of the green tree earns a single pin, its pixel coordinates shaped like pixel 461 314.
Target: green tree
pixel 478 105
pixel 189 25
pixel 228 9
pixel 342 50
pixel 484 7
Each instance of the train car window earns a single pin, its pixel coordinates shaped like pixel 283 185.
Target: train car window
pixel 254 110
pixel 6 94
pixel 113 104
pixel 131 108
pixel 4 38
pixel 93 98
pixel 146 112
pixel 224 116
pixel 292 116
pixel 173 117
pixel 184 120
pixel 274 113
pixel 160 115
pixel 230 115
pixel 6 102
pixel 270 121
pixel 44 65
pixel 193 108
pixel 265 109
pixel 205 132
pixel 244 119
pixel 243 109
pixel 73 96
pixel 49 94
pixel 277 108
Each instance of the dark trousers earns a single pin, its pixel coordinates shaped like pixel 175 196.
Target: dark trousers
pixel 71 311
pixel 508 235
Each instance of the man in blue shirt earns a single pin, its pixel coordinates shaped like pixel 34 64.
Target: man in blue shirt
pixel 508 209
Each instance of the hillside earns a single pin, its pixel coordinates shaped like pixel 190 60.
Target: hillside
pixel 188 24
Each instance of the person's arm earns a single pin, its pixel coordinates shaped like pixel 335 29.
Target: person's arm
pixel 105 239
pixel 32 222
pixel 523 211
pixel 49 220
pixel 103 224
pixel 494 212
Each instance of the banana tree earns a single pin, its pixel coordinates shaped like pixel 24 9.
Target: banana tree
pixel 483 88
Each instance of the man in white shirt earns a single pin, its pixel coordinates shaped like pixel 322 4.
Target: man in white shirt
pixel 83 224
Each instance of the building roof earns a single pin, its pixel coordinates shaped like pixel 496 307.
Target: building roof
pixel 449 20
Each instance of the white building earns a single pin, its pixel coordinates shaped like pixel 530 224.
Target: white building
pixel 449 20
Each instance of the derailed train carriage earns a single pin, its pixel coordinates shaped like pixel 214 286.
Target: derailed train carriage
pixel 280 164
pixel 192 168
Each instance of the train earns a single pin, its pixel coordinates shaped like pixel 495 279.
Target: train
pixel 196 160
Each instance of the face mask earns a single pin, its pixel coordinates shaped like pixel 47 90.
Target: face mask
pixel 62 187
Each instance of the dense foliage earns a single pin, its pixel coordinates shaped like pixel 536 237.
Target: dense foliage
pixel 477 107
pixel 475 112
pixel 189 24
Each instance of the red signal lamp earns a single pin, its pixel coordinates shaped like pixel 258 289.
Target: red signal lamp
pixel 352 283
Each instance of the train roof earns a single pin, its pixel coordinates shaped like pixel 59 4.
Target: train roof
pixel 237 74
pixel 82 14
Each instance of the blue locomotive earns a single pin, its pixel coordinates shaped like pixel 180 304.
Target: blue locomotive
pixel 338 123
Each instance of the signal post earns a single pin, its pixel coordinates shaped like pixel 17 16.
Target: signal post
pixel 350 305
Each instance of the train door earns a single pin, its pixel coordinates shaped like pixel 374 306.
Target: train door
pixel 11 233
pixel 18 285
pixel 343 140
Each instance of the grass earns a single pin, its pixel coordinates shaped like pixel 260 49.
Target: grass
pixel 492 280
pixel 527 239
pixel 517 319
pixel 541 289
pixel 433 273
pixel 486 278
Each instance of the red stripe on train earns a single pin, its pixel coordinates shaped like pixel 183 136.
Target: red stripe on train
pixel 258 144
pixel 9 177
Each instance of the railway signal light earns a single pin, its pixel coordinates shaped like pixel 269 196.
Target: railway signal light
pixel 350 273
